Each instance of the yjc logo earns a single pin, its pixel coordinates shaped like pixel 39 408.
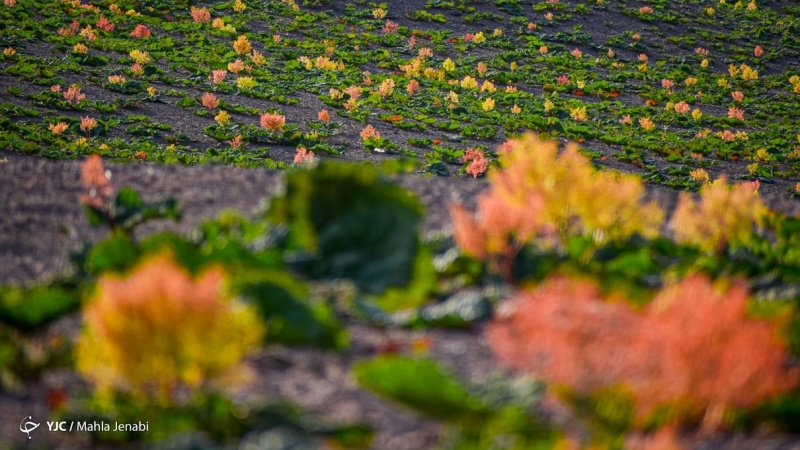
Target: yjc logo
pixel 26 426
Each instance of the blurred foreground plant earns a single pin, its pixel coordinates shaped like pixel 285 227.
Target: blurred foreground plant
pixel 690 355
pixel 723 215
pixel 157 330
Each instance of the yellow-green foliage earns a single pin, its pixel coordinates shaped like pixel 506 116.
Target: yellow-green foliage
pixel 157 329
pixel 545 197
pixel 723 215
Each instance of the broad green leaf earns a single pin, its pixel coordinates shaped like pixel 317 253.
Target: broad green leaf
pixel 356 224
pixel 420 384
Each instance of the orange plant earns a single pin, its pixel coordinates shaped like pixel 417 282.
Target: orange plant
pixel 543 197
pixel 693 347
pixel 74 94
pixel 273 122
pixel 157 329
pixel 96 181
pixel 200 15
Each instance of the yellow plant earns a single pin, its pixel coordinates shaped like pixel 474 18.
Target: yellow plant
pixel 246 83
pixel 242 45
pixel 139 56
pixel 325 63
pixel 578 114
pixel 258 58
pixel 723 215
pixel 748 73
pixel 542 197
pixel 386 88
pixel 433 74
pixel 488 104
pixel 469 83
pixel 448 65
pixel 223 118
pixel 699 175
pixel 451 97
pixel 157 330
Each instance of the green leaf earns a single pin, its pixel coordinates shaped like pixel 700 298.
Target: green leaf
pixel 420 384
pixel 356 224
pixel 26 310
pixel 128 210
pixel 186 102
pixel 117 253
pixel 423 282
pixel 291 320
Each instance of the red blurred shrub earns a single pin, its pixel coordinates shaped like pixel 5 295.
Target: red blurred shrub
pixel 693 348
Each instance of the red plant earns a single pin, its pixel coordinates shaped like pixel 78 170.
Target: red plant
pixel 735 113
pixel 693 347
pixel 413 87
pixel 141 31
pixel 104 24
pixel 564 334
pixel 709 354
pixel 390 27
pixel 477 162
pixel 210 101
pixel 369 132
pixel 200 15
pixel 303 156
pixel 218 75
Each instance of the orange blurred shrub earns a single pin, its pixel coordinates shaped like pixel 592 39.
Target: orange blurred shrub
pixel 157 330
pixel 545 197
pixel 693 348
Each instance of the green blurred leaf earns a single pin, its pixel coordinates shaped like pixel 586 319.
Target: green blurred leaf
pixel 27 309
pixel 116 253
pixel 356 224
pixel 291 320
pixel 423 282
pixel 128 210
pixel 420 384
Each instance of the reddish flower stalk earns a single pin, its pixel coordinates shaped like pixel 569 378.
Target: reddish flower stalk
pixel 95 180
